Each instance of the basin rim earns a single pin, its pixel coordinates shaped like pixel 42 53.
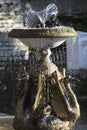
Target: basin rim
pixel 62 32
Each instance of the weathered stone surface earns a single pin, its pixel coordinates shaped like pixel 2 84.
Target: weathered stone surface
pixel 43 33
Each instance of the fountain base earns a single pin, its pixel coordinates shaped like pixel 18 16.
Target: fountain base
pixel 47 101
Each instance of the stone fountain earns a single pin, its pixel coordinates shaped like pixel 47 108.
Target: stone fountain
pixel 47 101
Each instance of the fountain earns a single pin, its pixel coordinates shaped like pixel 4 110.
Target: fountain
pixel 47 100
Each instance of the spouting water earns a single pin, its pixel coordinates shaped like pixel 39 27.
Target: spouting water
pixel 44 15
pixel 34 18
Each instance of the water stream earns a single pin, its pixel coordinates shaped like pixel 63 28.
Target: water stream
pixel 34 18
pixel 50 11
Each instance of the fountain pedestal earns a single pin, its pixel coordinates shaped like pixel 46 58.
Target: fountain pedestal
pixel 48 102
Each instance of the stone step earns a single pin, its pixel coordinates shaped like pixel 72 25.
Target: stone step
pixel 5 118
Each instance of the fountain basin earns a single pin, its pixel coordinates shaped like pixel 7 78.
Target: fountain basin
pixel 43 38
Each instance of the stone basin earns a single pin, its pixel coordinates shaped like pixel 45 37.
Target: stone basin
pixel 43 38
